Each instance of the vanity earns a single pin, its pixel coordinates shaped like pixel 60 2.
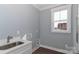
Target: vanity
pixel 16 46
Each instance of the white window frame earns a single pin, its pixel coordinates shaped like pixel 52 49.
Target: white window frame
pixel 64 7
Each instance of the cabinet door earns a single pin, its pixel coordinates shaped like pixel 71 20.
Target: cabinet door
pixel 29 51
pixel 23 49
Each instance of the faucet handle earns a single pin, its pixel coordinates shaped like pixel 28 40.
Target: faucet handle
pixel 9 37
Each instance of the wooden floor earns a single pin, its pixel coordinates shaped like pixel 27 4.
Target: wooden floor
pixel 42 50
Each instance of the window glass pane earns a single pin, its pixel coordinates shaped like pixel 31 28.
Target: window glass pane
pixel 56 25
pixel 60 19
pixel 56 16
pixel 63 15
pixel 62 25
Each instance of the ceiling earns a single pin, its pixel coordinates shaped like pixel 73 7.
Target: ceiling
pixel 45 6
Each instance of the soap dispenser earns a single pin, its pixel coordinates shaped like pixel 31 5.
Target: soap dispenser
pixel 25 37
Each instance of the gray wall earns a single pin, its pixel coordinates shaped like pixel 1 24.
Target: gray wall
pixel 53 39
pixel 24 18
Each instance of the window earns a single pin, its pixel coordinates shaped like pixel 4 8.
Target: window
pixel 60 19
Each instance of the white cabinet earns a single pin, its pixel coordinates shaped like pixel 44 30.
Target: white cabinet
pixel 25 49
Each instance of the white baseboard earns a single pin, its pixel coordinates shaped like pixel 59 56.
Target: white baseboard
pixel 57 49
pixel 34 49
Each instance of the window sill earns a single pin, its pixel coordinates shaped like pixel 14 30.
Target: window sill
pixel 61 31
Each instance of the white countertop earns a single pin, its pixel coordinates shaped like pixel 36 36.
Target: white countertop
pixel 4 42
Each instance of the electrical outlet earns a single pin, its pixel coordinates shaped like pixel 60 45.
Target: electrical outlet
pixel 37 42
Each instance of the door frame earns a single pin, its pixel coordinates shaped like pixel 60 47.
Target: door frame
pixel 75 27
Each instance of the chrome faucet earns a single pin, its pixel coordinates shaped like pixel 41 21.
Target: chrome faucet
pixel 8 38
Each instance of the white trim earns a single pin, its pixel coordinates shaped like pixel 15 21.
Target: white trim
pixel 57 49
pixel 67 7
pixel 36 7
pixel 48 7
pixel 34 49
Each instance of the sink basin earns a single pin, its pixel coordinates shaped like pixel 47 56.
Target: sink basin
pixel 11 45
